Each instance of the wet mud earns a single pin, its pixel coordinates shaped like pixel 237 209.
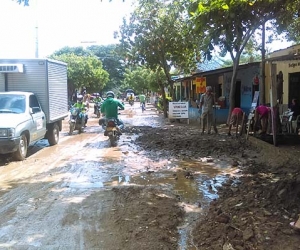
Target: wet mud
pixel 164 186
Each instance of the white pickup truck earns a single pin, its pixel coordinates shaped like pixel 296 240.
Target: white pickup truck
pixel 33 103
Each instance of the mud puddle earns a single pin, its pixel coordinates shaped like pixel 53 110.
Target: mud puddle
pixel 194 182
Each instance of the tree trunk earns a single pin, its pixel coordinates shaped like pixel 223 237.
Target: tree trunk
pixel 171 84
pixel 233 88
pixel 163 94
pixel 262 98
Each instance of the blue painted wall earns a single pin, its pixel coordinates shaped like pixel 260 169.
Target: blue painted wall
pixel 246 77
pixel 220 113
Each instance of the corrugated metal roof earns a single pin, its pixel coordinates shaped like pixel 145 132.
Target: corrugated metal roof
pixel 283 58
pixel 216 71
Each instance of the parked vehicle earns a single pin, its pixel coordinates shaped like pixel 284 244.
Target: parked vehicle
pixel 33 103
pixel 76 121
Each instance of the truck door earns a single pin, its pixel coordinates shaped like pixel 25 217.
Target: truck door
pixel 38 119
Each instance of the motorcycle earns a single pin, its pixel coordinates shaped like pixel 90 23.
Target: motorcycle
pixel 143 107
pixel 97 109
pixel 111 130
pixel 76 122
pixel 131 102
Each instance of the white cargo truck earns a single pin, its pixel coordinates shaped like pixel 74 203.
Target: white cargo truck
pixel 33 103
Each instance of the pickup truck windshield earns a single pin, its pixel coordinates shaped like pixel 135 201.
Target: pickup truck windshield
pixel 12 103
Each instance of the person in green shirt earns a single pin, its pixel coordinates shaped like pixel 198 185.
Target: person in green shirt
pixel 79 104
pixel 96 100
pixel 110 108
pixel 142 98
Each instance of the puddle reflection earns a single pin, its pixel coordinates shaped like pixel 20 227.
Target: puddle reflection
pixel 194 183
pixel 191 180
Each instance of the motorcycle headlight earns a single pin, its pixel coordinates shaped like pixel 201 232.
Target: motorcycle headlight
pixel 7 132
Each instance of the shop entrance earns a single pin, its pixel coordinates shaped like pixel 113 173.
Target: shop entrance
pixel 294 87
pixel 238 94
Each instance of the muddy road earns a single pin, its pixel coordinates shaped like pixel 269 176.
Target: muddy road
pixel 148 192
pixel 84 194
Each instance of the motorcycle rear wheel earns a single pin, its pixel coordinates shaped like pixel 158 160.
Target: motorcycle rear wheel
pixel 113 140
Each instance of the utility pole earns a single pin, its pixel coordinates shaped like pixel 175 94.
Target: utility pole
pixel 36 42
pixel 262 87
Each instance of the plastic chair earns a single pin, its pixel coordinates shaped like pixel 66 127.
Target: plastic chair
pixel 296 124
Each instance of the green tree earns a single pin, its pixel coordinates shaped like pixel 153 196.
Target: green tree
pixel 289 23
pixel 136 79
pixel 158 36
pixel 251 53
pixel 83 71
pixel 230 24
pixel 112 62
pixel 293 30
pixel 79 51
pixel 142 79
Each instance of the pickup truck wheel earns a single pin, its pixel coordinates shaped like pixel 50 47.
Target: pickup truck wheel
pixel 53 136
pixel 21 152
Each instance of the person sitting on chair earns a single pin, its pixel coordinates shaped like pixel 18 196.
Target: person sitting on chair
pixel 295 108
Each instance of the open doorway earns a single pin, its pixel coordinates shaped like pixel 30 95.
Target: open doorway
pixel 238 94
pixel 254 89
pixel 294 87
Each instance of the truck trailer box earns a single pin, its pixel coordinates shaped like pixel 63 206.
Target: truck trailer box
pixel 46 78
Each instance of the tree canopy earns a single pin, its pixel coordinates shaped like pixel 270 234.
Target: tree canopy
pixel 158 37
pixel 78 51
pixel 112 62
pixel 230 24
pixel 84 71
pixel 142 79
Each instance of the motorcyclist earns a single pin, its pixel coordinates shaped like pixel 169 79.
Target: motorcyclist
pixel 110 109
pixel 79 104
pixel 142 98
pixel 96 100
pixel 131 97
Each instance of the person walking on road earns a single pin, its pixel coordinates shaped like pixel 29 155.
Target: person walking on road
pixel 206 105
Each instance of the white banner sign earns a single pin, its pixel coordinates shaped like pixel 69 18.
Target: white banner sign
pixel 178 110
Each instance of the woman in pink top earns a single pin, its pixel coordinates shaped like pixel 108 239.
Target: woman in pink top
pixel 261 118
pixel 235 118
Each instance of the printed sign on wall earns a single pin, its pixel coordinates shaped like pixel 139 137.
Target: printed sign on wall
pixel 200 85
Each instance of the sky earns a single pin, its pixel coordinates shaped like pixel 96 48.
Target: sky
pixel 62 23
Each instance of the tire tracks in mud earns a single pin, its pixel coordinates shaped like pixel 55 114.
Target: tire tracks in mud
pixel 37 190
